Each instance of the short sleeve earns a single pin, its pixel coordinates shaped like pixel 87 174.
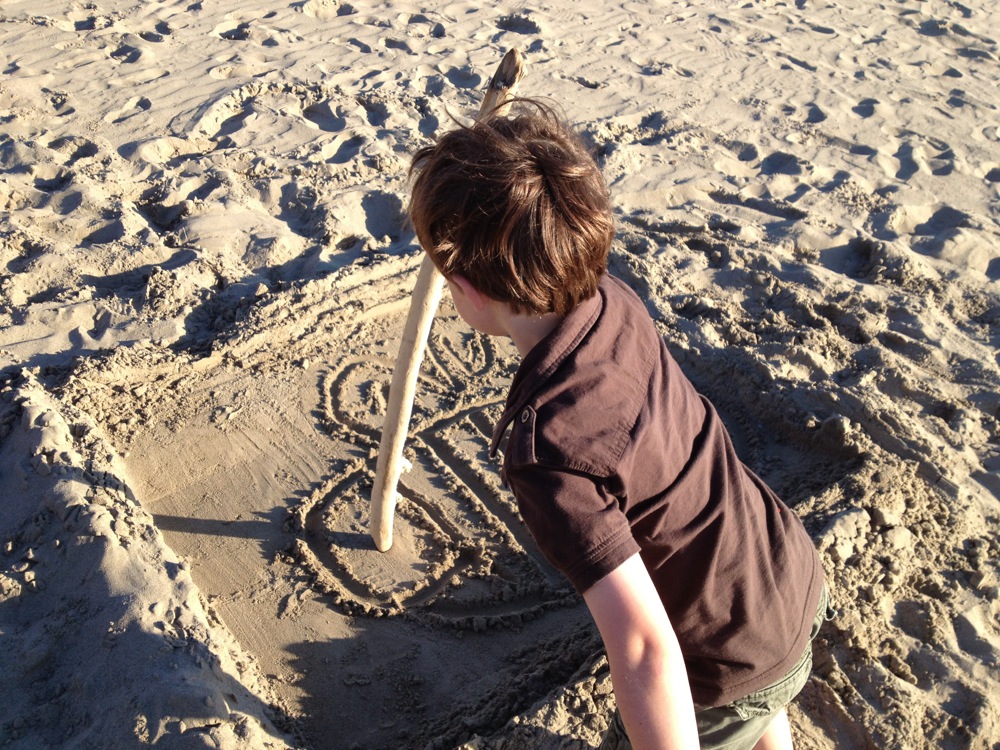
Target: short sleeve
pixel 578 526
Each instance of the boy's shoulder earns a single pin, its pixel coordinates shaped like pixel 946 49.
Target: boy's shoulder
pixel 580 413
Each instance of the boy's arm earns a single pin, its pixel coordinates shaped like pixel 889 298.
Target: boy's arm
pixel 647 668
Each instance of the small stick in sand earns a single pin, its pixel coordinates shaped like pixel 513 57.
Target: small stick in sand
pixel 423 305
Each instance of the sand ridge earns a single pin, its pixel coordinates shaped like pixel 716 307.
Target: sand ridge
pixel 206 266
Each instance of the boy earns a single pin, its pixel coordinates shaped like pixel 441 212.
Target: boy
pixel 704 586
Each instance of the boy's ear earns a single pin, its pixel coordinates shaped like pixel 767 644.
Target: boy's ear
pixel 469 290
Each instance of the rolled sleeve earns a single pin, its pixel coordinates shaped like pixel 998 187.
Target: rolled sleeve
pixel 577 525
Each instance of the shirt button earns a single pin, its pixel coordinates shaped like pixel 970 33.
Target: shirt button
pixel 525 416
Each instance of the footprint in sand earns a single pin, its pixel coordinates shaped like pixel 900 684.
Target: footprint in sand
pixel 78 22
pixel 49 178
pixel 321 10
pixel 930 154
pixel 963 9
pixel 397 44
pixel 76 147
pixel 137 105
pixel 941 69
pixel 945 219
pixel 160 31
pixel 127 54
pixel 437 29
pixel 744 151
pixel 360 46
pixel 343 150
pixel 237 30
pixel 907 155
pixel 865 108
pixel 326 116
pixel 234 67
pixel 519 23
pixel 655 68
pixel 384 214
pixel 588 83
pixel 974 53
pixel 433 84
pixel 781 162
pixel 234 33
pixel 956 98
pixel 933 27
pixel 376 109
pixel 814 114
pixel 465 77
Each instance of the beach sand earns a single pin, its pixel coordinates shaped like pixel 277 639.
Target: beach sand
pixel 205 264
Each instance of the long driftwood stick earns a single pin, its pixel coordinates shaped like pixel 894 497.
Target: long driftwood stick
pixel 423 305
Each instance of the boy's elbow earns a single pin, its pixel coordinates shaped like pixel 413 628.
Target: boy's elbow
pixel 648 654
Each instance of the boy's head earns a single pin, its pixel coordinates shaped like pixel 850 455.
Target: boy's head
pixel 518 207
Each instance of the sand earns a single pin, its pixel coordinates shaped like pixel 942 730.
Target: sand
pixel 204 268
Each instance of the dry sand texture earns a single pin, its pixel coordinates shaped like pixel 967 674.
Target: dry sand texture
pixel 205 268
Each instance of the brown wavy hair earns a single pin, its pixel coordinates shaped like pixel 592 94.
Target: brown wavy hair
pixel 518 206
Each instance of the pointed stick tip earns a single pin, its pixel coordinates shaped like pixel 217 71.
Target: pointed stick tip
pixel 510 70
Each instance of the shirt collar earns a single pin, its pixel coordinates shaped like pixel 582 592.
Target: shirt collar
pixel 546 356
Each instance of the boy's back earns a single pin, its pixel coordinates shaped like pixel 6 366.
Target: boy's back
pixel 612 452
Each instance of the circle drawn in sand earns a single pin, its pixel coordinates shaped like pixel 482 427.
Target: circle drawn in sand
pixel 460 556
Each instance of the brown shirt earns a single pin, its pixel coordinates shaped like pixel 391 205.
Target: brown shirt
pixel 613 452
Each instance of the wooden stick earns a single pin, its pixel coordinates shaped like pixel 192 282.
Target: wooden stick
pixel 423 305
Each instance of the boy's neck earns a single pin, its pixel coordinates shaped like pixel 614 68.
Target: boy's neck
pixel 495 318
pixel 527 330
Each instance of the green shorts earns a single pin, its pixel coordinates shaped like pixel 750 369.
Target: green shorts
pixel 738 725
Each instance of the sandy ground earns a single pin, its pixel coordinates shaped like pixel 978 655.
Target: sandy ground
pixel 204 269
